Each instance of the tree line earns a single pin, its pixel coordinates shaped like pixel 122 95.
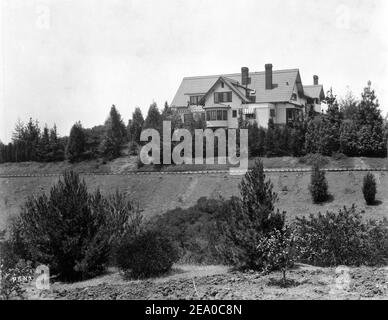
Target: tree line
pixel 350 126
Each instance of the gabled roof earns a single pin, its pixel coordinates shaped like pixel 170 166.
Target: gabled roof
pixel 314 92
pixel 230 83
pixel 283 81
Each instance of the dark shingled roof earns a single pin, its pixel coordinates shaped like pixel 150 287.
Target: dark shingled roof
pixel 283 81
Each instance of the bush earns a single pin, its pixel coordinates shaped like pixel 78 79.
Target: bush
pixel 369 188
pixel 71 231
pixel 194 230
pixel 148 254
pixel 338 156
pixel 12 274
pixel 278 250
pixel 314 159
pixel 342 238
pixel 318 185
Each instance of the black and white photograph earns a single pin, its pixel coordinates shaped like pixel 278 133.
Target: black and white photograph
pixel 192 151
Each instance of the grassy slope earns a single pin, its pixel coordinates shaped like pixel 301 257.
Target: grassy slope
pixel 158 193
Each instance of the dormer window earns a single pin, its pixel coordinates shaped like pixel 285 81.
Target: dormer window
pixel 194 100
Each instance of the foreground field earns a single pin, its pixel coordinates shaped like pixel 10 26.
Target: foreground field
pixel 217 282
pixel 159 193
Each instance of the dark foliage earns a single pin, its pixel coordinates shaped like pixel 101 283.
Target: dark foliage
pixel 195 230
pixel 76 145
pixel 369 188
pixel 114 136
pixel 150 253
pixel 71 230
pixel 250 218
pixel 318 185
pixel 135 126
pixel 342 238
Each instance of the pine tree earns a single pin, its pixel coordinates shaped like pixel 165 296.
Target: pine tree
pixel 251 217
pixel 135 126
pixel 76 144
pixel 370 125
pixel 348 106
pixel 369 188
pixel 115 135
pixel 44 145
pixel 19 131
pixel 154 118
pixel 318 185
pixel 167 111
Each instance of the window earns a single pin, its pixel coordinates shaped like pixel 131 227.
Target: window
pixel 252 99
pixel 194 100
pixel 234 113
pixel 294 96
pixel 290 113
pixel 250 116
pixel 220 97
pixel 222 85
pixel 272 113
pixel 217 115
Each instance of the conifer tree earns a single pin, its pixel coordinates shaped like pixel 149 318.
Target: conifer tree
pixel 76 143
pixel 115 134
pixel 135 126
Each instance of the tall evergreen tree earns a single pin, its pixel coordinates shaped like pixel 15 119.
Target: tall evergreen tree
pixel 348 106
pixel 154 118
pixel 135 126
pixel 76 143
pixel 44 145
pixel 115 134
pixel 251 217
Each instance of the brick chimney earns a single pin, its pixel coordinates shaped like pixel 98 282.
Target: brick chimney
pixel 245 76
pixel 316 79
pixel 268 76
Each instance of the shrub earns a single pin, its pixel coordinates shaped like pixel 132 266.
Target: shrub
pixel 313 159
pixel 318 185
pixel 12 275
pixel 148 254
pixel 369 188
pixel 338 156
pixel 133 148
pixel 194 230
pixel 249 219
pixel 342 238
pixel 278 250
pixel 71 230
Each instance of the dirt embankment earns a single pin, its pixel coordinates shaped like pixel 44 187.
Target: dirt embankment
pixel 159 193
pixel 216 282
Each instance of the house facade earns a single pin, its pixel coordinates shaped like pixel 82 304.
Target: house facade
pixel 221 100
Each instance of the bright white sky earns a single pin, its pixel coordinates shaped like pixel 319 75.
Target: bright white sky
pixel 69 60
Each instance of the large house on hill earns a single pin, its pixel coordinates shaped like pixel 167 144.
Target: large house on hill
pixel 255 96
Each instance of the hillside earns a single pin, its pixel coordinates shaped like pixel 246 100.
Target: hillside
pixel 157 193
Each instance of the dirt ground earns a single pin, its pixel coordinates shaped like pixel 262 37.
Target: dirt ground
pixel 217 282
